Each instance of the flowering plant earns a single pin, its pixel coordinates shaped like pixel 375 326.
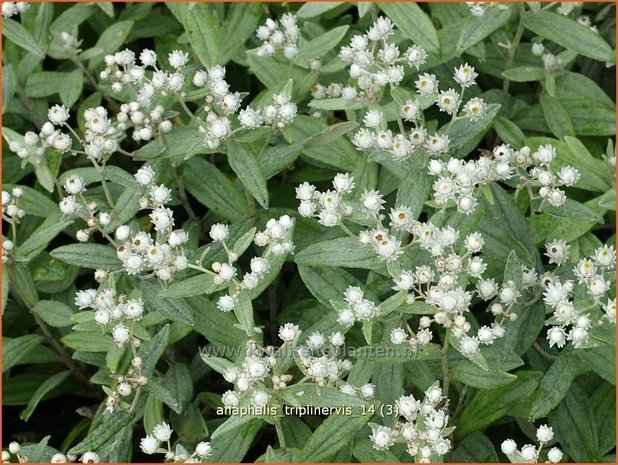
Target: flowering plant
pixel 320 232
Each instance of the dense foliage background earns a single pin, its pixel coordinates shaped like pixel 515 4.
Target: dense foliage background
pixel 56 358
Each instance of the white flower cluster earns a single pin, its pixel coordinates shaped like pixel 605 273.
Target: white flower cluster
pixel 117 314
pixel 478 8
pixel 375 62
pixel 11 212
pixel 551 62
pixel 530 453
pixel 221 104
pixel 145 123
pixel 458 179
pixel 402 145
pixel 559 295
pixel 277 237
pixel 16 450
pixel 101 137
pixel 320 361
pixel 14 8
pixel 279 35
pixel 358 308
pixel 162 434
pixel 162 256
pixel 329 207
pixel 424 428
pixel 251 377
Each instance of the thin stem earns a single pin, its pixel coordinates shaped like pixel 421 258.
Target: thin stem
pixel 348 232
pixel 108 195
pixel 446 379
pixel 183 194
pixel 280 436
pixel 544 354
pixel 138 393
pixel 513 49
pixel 532 219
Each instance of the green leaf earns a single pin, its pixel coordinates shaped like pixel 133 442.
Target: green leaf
pixel 240 24
pixel 158 391
pixel 48 385
pixel 313 9
pixel 414 23
pixel 88 341
pixel 279 157
pixel 152 351
pixel 524 73
pixel 331 436
pixel 178 381
pixel 327 283
pixel 464 135
pixel 15 349
pixel 214 190
pixel 107 8
pixel 175 309
pixel 332 104
pixel 509 132
pixel 95 256
pixel 9 85
pixel 575 427
pixel 71 88
pixel 321 45
pixel 573 209
pixel 202 29
pixel 17 34
pixel 330 133
pixel 111 40
pixel 104 432
pixel 476 448
pixel 234 444
pixel 247 168
pixel 600 360
pixel 43 235
pixel 54 313
pixel 475 29
pixel 196 285
pixel 603 404
pixel 554 385
pixel 557 117
pixel 487 406
pixel 579 38
pixel 344 251
pixel 244 312
pixel 414 190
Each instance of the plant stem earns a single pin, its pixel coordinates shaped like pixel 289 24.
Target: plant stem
pixel 280 436
pixel 544 354
pixel 513 49
pixel 446 379
pixel 183 194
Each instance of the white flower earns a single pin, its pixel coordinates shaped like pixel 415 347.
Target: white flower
pixel 568 175
pixel 373 119
pixel 178 237
pixel 545 154
pixel 74 184
pixel 544 433
pixel 437 143
pixel 508 447
pixel 416 56
pixel 121 334
pixel 178 59
pixel 149 445
pixel 382 437
pixel 538 49
pixel 448 101
pixel 162 218
pixel 475 109
pixel 288 332
pixel 398 336
pixel 597 286
pixel 59 458
pixel 68 205
pixel 148 57
pixel 465 75
pixel 90 457
pixel 230 399
pixel 372 202
pixel 554 455
pixel 219 232
pixel 342 183
pixel 162 432
pixel 529 453
pixel 556 337
pixel 145 175
pixel 427 84
pixel 203 449
pixel 58 114
pixel 14 448
pixel 367 391
pixel 557 251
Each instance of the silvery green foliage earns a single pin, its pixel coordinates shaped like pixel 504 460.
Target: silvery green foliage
pixel 320 232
